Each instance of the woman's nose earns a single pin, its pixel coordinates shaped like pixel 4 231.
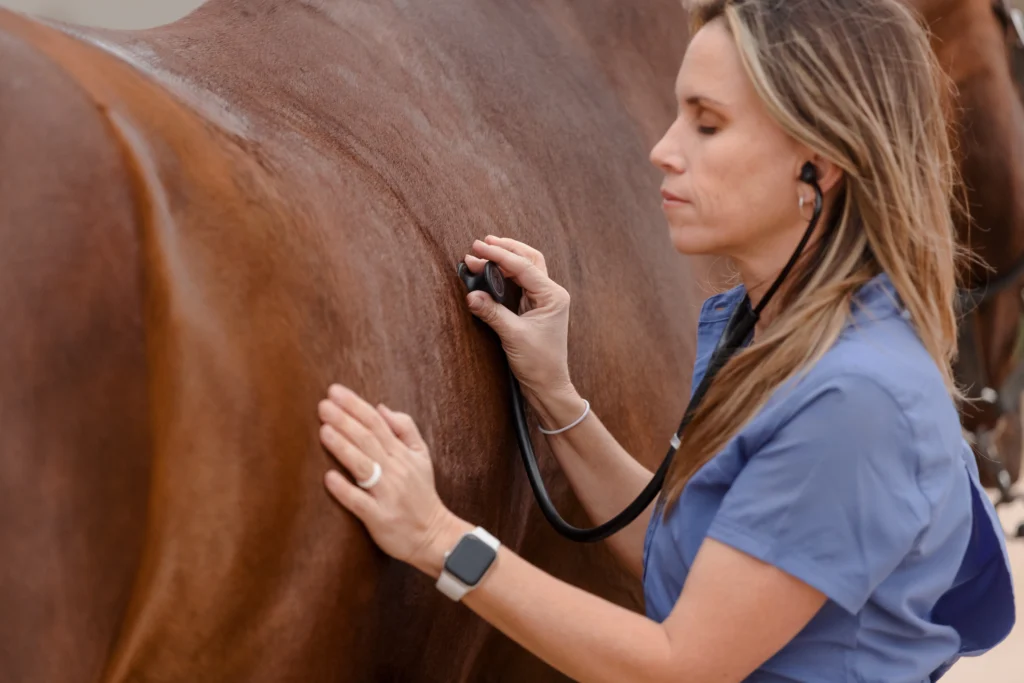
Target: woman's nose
pixel 667 154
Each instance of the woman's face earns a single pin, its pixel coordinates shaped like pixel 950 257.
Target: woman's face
pixel 731 173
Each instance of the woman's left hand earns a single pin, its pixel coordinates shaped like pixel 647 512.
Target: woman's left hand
pixel 402 510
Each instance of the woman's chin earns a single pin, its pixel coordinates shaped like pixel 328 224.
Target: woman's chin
pixel 694 241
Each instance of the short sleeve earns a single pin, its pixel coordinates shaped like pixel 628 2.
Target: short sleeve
pixel 832 497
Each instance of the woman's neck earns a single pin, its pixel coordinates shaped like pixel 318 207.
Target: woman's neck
pixel 759 276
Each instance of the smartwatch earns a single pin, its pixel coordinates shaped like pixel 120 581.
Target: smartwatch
pixel 466 564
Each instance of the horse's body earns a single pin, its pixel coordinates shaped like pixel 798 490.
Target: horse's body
pixel 210 222
pixel 973 40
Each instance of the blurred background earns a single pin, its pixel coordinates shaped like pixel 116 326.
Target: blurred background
pixel 1005 664
pixel 108 13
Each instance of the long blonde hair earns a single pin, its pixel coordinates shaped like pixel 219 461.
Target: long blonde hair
pixel 857 82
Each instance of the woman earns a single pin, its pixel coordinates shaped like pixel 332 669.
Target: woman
pixel 822 519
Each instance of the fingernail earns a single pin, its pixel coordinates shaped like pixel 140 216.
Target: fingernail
pixel 337 392
pixel 475 303
pixel 334 477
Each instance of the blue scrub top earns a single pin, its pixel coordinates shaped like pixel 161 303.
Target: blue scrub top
pixel 856 479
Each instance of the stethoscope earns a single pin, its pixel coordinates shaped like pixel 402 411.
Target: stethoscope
pixel 736 334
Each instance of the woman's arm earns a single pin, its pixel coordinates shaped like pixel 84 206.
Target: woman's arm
pixel 734 613
pixel 604 476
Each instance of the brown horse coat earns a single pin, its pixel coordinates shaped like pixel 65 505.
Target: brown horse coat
pixel 987 126
pixel 210 222
pixel 202 225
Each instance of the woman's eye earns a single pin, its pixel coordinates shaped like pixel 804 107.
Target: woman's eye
pixel 707 130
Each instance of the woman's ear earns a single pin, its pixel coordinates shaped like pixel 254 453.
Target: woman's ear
pixel 829 174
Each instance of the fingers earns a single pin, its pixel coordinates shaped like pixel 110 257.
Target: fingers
pixel 475 265
pixel 404 428
pixel 354 499
pixel 352 458
pixel 351 430
pixel 523 264
pixel 358 420
pixel 491 312
pixel 524 250
pixel 519 268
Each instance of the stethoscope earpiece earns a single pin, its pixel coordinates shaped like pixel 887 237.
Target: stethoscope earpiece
pixel 809 174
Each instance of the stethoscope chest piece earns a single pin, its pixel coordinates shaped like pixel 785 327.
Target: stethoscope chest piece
pixel 490 280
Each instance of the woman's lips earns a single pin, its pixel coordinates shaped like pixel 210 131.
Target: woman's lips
pixel 669 199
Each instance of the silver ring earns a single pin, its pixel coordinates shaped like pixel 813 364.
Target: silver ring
pixel 373 479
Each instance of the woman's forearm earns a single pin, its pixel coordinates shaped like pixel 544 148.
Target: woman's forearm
pixel 604 476
pixel 582 635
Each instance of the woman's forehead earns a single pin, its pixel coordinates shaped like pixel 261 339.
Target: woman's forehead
pixel 712 70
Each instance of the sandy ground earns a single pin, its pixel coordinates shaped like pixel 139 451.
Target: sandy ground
pixel 1004 663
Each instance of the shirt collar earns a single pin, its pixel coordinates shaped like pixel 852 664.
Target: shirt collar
pixel 877 297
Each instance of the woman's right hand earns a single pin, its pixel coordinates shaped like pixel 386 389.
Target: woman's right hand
pixel 536 340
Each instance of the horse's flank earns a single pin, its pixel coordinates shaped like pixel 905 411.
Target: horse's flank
pixel 265 198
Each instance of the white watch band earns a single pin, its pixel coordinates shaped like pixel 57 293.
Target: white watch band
pixel 451 586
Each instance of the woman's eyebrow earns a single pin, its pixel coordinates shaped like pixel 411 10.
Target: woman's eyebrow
pixel 703 101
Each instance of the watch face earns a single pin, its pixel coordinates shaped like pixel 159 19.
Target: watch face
pixel 470 560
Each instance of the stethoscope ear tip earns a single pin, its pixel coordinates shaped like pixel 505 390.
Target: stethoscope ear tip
pixel 809 173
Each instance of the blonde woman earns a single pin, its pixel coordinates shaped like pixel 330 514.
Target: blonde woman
pixel 822 518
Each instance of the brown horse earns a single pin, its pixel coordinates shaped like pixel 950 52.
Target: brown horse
pixel 202 225
pixel 205 224
pixel 981 47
